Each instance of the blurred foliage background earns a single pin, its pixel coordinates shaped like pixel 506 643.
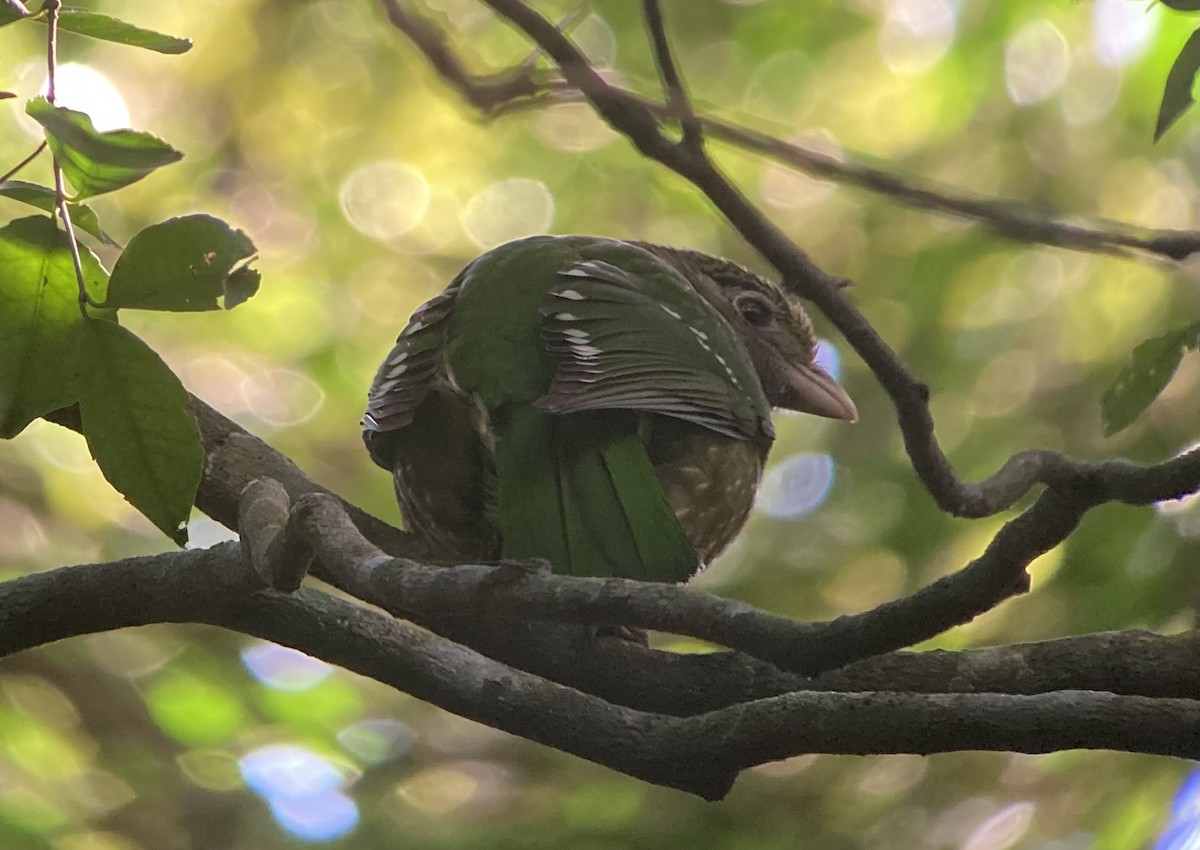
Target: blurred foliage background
pixel 366 184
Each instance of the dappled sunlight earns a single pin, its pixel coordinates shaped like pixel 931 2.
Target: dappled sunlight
pixel 384 200
pixel 303 790
pixel 1122 31
pixel 507 210
pixel 377 740
pixel 82 87
pixel 917 33
pixel 284 668
pixel 1036 62
pixel 795 486
pixel 1003 829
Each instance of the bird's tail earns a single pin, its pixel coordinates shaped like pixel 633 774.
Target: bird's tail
pixel 579 491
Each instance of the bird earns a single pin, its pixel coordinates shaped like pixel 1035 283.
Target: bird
pixel 599 404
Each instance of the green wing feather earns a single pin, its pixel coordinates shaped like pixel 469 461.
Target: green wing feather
pixel 579 491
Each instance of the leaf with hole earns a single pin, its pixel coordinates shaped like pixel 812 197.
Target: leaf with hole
pixel 1145 376
pixel 106 28
pixel 42 197
pixel 40 320
pixel 1181 79
pixel 135 419
pixel 95 162
pixel 184 264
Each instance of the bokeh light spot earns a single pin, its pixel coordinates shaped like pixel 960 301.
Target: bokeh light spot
pixel 288 771
pixel 1003 829
pixel 85 89
pixel 377 740
pixel 322 817
pixel 829 359
pixel 507 210
pixel 595 37
pixel 1182 831
pixel 916 34
pixel 572 127
pixel 282 397
pixel 1121 30
pixel 384 199
pixel 284 668
pixel 796 486
pixel 439 790
pixel 1035 63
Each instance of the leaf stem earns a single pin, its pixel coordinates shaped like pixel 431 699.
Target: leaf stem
pixel 51 8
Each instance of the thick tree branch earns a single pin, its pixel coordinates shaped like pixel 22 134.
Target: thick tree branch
pixel 700 754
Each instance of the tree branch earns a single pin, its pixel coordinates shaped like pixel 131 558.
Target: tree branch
pixel 700 754
pixel 521 88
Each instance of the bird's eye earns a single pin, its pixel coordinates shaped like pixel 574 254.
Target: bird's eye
pixel 755 309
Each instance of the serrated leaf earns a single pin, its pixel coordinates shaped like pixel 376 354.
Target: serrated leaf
pixel 1145 376
pixel 95 162
pixel 106 28
pixel 183 264
pixel 40 320
pixel 135 419
pixel 12 10
pixel 42 197
pixel 1177 93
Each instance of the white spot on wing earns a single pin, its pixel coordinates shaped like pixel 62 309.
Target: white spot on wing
pixel 566 317
pixel 570 294
pixel 700 335
pixel 585 350
pixel 397 371
pixel 670 312
pixel 413 328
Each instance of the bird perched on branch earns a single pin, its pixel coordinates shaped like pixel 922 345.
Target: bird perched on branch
pixel 602 405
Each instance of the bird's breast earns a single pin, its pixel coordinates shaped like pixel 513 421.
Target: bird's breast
pixel 709 480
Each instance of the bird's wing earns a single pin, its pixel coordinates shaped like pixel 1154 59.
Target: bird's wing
pixel 408 372
pixel 647 341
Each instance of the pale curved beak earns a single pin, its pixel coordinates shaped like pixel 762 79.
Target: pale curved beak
pixel 810 389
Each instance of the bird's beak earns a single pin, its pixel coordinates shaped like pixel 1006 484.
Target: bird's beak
pixel 810 389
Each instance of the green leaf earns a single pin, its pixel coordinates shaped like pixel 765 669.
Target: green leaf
pixel 184 264
pixel 106 28
pixel 12 10
pixel 40 320
pixel 1177 94
pixel 42 197
pixel 96 162
pixel 135 418
pixel 1145 376
pixel 240 287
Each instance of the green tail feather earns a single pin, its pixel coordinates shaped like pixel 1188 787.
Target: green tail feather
pixel 579 491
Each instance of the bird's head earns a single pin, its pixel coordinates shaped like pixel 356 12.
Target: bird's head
pixel 774 327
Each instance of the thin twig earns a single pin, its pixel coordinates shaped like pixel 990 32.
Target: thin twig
pixel 60 196
pixel 517 89
pixel 8 175
pixel 677 99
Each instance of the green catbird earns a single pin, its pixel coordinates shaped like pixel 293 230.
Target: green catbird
pixel 602 405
